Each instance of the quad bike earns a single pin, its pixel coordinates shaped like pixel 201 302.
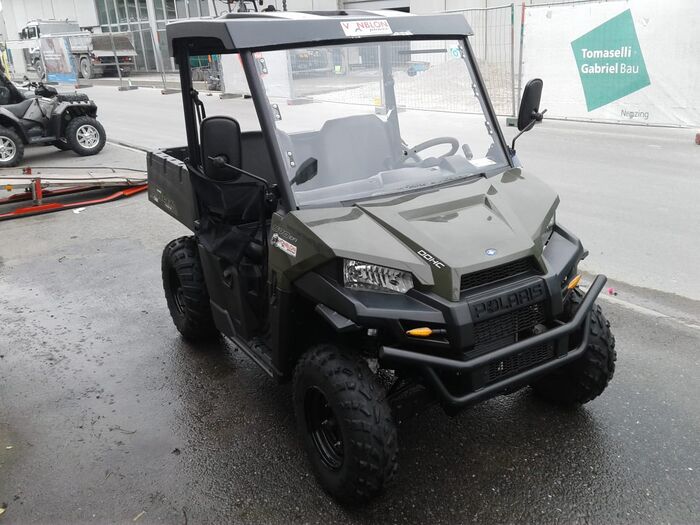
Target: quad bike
pixel 45 117
pixel 362 269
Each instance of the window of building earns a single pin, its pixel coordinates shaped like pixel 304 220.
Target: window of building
pixel 170 11
pixel 160 13
pixel 111 12
pixel 181 8
pixel 101 11
pixel 143 9
pixel 148 49
pixel 131 13
pixel 138 46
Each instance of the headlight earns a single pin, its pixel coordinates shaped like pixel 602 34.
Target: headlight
pixel 367 276
pixel 547 233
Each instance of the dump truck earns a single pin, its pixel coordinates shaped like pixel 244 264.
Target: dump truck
pixel 94 53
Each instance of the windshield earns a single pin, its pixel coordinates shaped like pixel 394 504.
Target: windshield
pixel 365 120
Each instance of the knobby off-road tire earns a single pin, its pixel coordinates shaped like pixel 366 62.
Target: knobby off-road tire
pixel 85 135
pixel 186 291
pixel 11 148
pixel 587 377
pixel 345 423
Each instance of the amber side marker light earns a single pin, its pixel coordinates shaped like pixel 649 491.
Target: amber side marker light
pixel 425 332
pixel 574 282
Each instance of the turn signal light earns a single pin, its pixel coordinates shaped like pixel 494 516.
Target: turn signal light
pixel 424 331
pixel 574 282
pixel 420 332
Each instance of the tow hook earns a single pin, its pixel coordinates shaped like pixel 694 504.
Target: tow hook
pixel 539 329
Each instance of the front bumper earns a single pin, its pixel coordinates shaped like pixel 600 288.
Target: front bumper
pixel 560 337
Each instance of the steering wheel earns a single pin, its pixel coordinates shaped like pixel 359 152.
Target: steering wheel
pixel 412 153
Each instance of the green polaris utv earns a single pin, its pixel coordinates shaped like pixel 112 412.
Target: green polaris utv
pixel 372 237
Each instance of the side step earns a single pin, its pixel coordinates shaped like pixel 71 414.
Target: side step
pixel 33 141
pixel 258 352
pixel 256 349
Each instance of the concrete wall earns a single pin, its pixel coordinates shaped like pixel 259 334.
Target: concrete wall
pixel 16 13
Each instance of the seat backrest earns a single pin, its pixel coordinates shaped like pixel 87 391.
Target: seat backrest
pixel 352 148
pixel 14 94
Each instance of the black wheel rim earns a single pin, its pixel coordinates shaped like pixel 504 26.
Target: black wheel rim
pixel 322 425
pixel 178 292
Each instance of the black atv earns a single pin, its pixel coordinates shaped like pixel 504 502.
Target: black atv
pixel 45 117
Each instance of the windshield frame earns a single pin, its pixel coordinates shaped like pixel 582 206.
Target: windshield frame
pixel 268 122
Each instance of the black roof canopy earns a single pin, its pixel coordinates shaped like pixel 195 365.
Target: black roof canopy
pixel 232 32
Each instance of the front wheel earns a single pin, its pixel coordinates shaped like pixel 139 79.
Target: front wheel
pixel 11 148
pixel 85 136
pixel 345 423
pixel 587 377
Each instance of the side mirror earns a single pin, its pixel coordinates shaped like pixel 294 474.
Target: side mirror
pixel 4 95
pixel 529 109
pixel 530 104
pixel 220 139
pixel 307 171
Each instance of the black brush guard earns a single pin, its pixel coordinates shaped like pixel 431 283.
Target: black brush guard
pixel 559 337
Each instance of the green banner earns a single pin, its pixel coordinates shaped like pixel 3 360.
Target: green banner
pixel 610 61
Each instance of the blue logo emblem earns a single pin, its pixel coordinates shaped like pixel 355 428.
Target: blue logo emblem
pixel 491 252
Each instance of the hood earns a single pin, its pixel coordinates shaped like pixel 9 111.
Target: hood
pixel 442 234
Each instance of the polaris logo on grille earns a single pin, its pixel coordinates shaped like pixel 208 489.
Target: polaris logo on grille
pixel 496 305
pixel 432 260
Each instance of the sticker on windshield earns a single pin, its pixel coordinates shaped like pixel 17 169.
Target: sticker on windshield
pixel 482 163
pixel 286 246
pixel 366 27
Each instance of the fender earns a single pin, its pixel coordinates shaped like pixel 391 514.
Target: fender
pixel 10 120
pixel 58 121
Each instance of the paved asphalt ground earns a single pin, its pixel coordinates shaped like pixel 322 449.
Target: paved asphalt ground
pixel 107 416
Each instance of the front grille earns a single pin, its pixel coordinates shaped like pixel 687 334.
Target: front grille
pixel 505 329
pixel 519 362
pixel 526 266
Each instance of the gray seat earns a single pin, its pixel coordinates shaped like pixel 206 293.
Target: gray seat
pixel 18 109
pixel 353 148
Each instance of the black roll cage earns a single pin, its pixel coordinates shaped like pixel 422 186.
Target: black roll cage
pixel 182 51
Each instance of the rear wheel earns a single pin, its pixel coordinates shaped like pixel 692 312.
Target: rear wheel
pixel 345 423
pixel 587 377
pixel 85 135
pixel 186 291
pixel 86 68
pixel 11 148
